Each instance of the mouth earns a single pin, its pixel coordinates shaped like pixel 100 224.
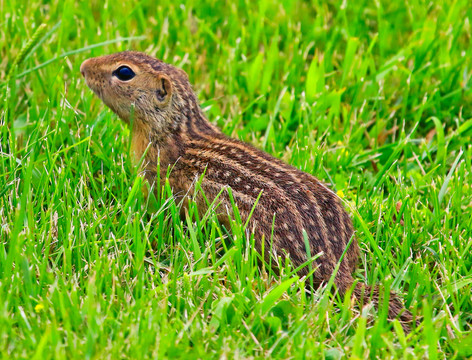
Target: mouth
pixel 83 67
pixel 85 71
pixel 91 87
pixel 88 82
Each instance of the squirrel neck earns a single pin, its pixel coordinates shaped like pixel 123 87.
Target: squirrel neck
pixel 164 135
pixel 192 121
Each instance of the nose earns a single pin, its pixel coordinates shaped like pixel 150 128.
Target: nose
pixel 83 67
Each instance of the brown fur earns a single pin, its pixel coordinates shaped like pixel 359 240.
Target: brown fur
pixel 176 130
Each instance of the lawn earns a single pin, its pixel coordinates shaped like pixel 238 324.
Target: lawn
pixel 372 97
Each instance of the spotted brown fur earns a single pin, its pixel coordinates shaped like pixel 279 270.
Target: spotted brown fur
pixel 168 122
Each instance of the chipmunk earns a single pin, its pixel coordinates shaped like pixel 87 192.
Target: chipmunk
pixel 169 125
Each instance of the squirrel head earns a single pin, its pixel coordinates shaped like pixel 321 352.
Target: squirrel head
pixel 141 89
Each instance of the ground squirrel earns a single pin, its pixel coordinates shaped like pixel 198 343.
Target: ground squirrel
pixel 169 123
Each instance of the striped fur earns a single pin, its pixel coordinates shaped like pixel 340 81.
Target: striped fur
pixel 181 137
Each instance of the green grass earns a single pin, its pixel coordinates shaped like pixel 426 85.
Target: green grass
pixel 373 98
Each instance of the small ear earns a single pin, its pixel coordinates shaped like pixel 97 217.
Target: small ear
pixel 163 90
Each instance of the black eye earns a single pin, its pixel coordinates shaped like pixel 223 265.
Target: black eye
pixel 124 73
